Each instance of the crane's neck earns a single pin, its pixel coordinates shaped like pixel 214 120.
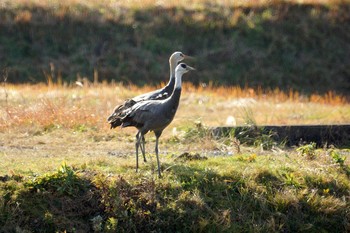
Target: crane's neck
pixel 173 101
pixel 176 93
pixel 178 81
pixel 172 65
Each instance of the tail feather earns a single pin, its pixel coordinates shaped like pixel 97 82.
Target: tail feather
pixel 115 119
pixel 115 123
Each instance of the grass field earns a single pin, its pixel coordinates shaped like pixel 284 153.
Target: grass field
pixel 62 169
pixel 258 62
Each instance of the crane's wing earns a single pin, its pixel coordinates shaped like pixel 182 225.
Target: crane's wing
pixel 115 118
pixel 153 95
pixel 141 113
pixel 120 111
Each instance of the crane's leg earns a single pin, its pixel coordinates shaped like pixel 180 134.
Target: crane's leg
pixel 142 146
pixel 159 174
pixel 138 139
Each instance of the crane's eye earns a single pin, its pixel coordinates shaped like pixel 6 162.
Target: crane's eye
pixel 183 65
pixel 181 55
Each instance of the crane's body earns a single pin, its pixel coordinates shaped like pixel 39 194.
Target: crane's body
pixel 154 115
pixel 152 110
pixel 115 118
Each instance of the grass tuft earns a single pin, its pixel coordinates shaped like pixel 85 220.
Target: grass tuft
pixel 308 150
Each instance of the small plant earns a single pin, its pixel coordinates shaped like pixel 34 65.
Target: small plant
pixel 250 158
pixel 290 180
pixel 236 145
pixel 111 224
pixel 81 128
pixel 337 158
pixel 308 150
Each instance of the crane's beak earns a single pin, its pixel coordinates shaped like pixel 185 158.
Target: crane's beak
pixel 190 68
pixel 188 57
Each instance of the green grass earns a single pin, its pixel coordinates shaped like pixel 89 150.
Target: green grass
pixel 93 188
pixel 220 194
pixel 284 44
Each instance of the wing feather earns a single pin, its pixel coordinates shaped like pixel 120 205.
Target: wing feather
pixel 141 113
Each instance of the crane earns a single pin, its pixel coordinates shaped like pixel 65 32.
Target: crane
pixel 154 115
pixel 115 118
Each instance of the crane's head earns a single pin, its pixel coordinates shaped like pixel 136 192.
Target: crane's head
pixel 182 68
pixel 177 57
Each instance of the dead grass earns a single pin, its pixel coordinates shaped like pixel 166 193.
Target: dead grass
pixel 49 107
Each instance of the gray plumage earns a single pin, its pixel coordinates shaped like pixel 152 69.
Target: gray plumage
pixel 154 115
pixel 115 118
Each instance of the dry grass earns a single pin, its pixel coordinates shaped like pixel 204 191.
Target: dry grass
pixel 70 107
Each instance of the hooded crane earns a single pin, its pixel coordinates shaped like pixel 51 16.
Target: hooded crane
pixel 115 118
pixel 154 115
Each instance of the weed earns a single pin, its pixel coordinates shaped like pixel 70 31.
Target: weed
pixel 111 224
pixel 308 150
pixel 81 128
pixel 291 180
pixel 249 158
pixel 337 157
pixel 236 145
